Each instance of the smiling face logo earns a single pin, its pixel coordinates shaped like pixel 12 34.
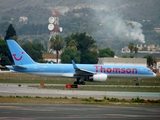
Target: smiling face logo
pixel 14 55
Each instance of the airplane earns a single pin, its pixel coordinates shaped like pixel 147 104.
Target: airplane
pixel 82 72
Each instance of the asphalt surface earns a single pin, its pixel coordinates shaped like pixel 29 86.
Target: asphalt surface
pixel 7 89
pixel 78 112
pixel 74 111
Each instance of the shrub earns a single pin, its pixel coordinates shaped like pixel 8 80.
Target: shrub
pixel 138 100
pixel 37 97
pixel 114 99
pixel 91 98
pixel 97 100
pixel 74 97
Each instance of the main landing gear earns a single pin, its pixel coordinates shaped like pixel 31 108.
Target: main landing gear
pixel 138 81
pixel 79 82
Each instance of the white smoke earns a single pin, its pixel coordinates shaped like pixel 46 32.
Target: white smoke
pixel 136 32
pixel 131 30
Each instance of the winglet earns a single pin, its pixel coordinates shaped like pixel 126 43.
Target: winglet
pixel 74 65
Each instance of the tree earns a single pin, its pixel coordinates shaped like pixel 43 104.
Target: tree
pixel 10 33
pixel 73 44
pixel 56 44
pixel 94 48
pixel 84 44
pixel 131 47
pixel 106 52
pixel 69 54
pixel 150 60
pixel 136 50
pixel 124 56
pixel 84 41
pixel 5 56
pixel 89 58
pixel 34 50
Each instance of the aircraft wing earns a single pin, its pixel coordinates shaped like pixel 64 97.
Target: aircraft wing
pixel 79 71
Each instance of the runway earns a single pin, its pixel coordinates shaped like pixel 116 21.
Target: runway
pixel 79 112
pixel 74 111
pixel 7 89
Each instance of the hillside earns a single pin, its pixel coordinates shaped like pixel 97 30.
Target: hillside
pixel 105 20
pixel 138 9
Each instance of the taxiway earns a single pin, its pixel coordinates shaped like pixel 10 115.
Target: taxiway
pixel 7 89
pixel 78 112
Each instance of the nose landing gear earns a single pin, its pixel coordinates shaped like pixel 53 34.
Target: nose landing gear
pixel 138 81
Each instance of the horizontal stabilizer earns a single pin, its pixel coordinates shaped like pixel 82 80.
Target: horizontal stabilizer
pixel 20 67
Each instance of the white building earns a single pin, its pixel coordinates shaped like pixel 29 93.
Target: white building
pixel 23 19
pixel 122 61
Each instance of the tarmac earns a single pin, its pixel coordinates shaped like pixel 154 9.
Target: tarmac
pixel 78 112
pixel 74 111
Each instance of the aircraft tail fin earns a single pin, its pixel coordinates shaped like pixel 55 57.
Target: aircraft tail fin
pixel 20 57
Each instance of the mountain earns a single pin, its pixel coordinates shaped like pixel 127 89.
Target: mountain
pixel 112 23
pixel 139 9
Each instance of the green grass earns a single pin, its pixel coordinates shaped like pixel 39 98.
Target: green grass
pixel 75 100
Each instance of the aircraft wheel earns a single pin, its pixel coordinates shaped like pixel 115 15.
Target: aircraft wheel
pixel 75 83
pixel 83 83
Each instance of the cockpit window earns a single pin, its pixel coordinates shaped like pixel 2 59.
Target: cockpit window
pixel 149 70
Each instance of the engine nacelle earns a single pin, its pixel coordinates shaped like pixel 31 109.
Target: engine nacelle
pixel 100 77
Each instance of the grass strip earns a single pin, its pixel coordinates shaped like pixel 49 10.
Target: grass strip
pixel 75 100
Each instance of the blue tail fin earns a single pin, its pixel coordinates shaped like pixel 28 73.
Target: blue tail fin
pixel 19 56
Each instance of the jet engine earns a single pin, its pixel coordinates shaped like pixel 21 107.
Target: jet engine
pixel 99 77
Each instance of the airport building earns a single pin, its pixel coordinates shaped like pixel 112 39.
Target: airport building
pixel 129 61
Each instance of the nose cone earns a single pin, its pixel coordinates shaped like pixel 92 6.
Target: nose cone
pixel 154 74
